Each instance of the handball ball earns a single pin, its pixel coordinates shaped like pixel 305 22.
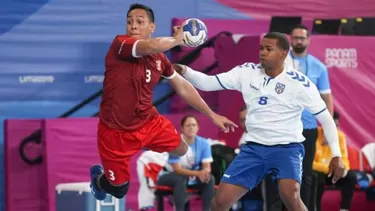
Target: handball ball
pixel 195 32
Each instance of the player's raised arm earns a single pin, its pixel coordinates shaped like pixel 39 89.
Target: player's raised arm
pixel 229 80
pixel 138 41
pixel 159 44
pixel 127 47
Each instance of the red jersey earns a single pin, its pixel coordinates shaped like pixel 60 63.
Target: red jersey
pixel 128 83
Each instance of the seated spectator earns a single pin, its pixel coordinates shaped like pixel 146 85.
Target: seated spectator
pixel 320 167
pixel 192 170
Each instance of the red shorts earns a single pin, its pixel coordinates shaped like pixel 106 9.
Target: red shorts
pixel 117 147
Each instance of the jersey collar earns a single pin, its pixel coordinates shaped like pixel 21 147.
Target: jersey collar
pixel 278 76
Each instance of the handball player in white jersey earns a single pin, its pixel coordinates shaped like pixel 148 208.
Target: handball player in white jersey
pixel 275 95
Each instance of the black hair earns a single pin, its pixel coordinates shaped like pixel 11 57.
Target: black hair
pixel 282 40
pixel 149 11
pixel 300 26
pixel 183 120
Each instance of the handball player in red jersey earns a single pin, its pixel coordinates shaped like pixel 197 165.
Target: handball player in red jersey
pixel 128 120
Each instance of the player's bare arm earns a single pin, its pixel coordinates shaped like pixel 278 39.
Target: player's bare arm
pixel 159 44
pixel 190 95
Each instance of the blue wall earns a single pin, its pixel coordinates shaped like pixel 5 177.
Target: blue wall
pixel 52 51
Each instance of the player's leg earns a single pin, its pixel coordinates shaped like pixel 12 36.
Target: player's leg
pixel 286 165
pixel 307 177
pixel 164 137
pixel 115 149
pixel 272 198
pixel 242 175
pixel 289 190
pixel 181 149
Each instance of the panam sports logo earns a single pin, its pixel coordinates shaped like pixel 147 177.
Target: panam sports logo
pixel 341 58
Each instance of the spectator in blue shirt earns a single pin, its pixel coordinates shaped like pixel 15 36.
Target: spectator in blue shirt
pixel 317 72
pixel 191 170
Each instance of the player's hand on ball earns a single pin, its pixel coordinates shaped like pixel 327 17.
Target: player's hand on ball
pixel 178 34
pixel 336 169
pixel 179 68
pixel 224 123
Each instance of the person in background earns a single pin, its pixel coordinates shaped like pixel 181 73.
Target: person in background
pixel 192 170
pixel 320 166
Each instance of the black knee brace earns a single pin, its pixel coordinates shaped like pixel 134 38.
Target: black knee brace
pixel 116 191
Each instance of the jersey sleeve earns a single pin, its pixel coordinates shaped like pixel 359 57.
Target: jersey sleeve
pixel 168 71
pixel 323 82
pixel 125 46
pixel 232 79
pixel 309 98
pixel 173 159
pixel 206 152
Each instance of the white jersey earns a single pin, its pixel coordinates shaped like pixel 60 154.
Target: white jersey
pixel 275 104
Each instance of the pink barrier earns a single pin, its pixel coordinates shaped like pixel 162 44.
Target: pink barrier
pixel 351 64
pixel 68 151
pixel 25 186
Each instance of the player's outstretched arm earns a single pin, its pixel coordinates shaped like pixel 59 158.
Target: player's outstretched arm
pixel 190 95
pixel 198 79
pixel 159 44
pixel 228 80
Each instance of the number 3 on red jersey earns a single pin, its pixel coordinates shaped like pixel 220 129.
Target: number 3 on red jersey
pixel 148 75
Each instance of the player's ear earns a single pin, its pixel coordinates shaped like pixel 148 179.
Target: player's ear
pixel 284 54
pixel 153 26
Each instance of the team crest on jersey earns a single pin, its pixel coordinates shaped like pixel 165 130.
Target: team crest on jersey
pixel 158 65
pixel 279 88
